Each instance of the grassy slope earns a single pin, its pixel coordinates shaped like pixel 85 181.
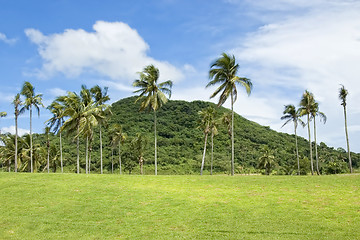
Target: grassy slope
pixel 69 206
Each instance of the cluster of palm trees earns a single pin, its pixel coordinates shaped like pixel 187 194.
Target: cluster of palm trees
pixel 78 115
pixel 309 107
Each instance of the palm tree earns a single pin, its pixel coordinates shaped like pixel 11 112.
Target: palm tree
pixel 267 159
pixel 101 97
pixel 17 104
pixel 315 112
pixel 206 124
pixel 4 114
pixel 138 145
pixel 152 94
pixel 214 131
pixel 342 96
pixel 47 131
pixel 31 99
pixel 118 138
pixel 55 123
pixel 291 114
pixel 223 71
pixel 306 104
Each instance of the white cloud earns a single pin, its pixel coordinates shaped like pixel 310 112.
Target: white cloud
pixel 7 40
pixel 57 92
pixel 316 48
pixel 11 130
pixel 114 50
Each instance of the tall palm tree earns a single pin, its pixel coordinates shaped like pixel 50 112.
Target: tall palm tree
pixel 118 137
pixel 152 94
pixel 31 100
pixel 206 123
pixel 342 96
pixel 4 114
pixel 55 123
pixel 314 113
pixel 17 103
pixel 214 131
pixel 47 131
pixel 306 104
pixel 101 97
pixel 223 71
pixel 291 114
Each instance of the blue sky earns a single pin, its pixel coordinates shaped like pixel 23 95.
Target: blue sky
pixel 283 46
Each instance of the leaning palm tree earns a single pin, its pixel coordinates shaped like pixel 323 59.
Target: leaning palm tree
pixel 55 123
pixel 223 71
pixel 314 113
pixel 118 137
pixel 31 100
pixel 342 96
pixel 291 114
pixel 17 104
pixel 101 97
pixel 306 103
pixel 152 94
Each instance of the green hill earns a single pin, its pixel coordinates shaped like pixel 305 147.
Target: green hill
pixel 180 144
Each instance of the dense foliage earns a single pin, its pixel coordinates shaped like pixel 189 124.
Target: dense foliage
pixel 180 144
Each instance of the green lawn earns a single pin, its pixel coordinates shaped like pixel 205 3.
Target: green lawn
pixel 70 206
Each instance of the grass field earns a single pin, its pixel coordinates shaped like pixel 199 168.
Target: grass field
pixel 70 206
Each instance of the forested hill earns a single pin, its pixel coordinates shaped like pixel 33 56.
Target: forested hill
pixel 180 142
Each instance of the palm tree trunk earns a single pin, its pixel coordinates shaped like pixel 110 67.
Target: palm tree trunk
pixel 297 149
pixel 16 141
pixel 212 152
pixel 120 157
pixel 77 151
pixel 347 140
pixel 203 158
pixel 232 134
pixel 141 165
pixel 31 147
pixel 112 160
pixel 101 157
pixel 48 156
pixel 310 145
pixel 86 155
pixel 90 149
pixel 61 157
pixel 155 144
pixel 316 152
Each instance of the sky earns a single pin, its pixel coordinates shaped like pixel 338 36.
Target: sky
pixel 284 46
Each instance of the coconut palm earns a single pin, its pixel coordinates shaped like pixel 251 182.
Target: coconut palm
pixel 4 114
pixel 138 144
pixel 267 159
pixel 17 103
pixel 306 104
pixel 73 108
pixel 55 123
pixel 223 71
pixel 293 115
pixel 214 131
pixel 342 96
pixel 31 100
pixel 314 113
pixel 101 97
pixel 47 131
pixel 206 123
pixel 118 137
pixel 152 94
pixel 36 151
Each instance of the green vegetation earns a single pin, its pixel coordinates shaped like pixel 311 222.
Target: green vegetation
pixel 181 144
pixel 69 206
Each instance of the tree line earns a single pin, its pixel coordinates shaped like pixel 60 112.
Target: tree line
pixel 78 115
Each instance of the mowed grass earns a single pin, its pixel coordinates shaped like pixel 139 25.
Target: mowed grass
pixel 70 206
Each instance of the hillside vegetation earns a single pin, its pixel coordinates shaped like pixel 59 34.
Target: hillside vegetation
pixel 180 143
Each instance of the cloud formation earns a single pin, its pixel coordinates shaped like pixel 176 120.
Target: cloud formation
pixel 11 130
pixel 6 40
pixel 113 50
pixel 315 46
